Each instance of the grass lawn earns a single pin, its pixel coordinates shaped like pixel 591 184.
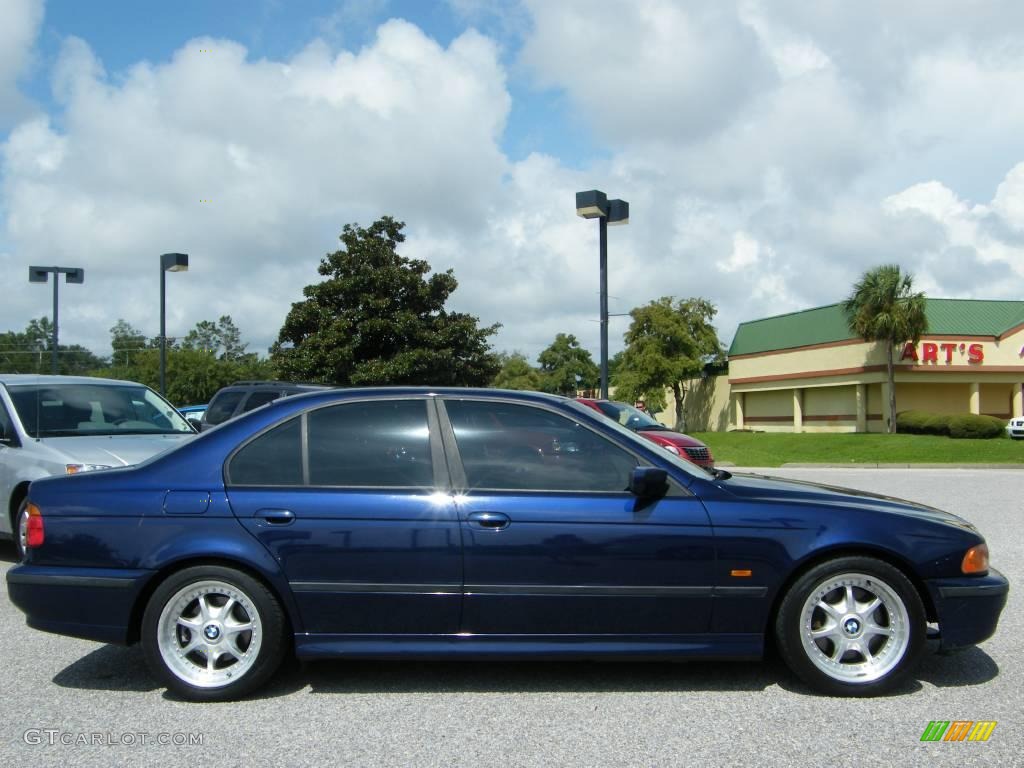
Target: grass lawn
pixel 762 449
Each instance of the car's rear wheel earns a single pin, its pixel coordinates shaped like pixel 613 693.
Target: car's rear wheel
pixel 852 626
pixel 212 633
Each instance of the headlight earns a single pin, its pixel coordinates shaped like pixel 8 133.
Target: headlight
pixel 672 449
pixel 74 469
pixel 976 560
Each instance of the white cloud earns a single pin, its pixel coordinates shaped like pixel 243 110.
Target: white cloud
pixel 285 153
pixel 771 152
pixel 19 25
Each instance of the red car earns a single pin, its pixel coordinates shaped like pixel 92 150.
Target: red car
pixel 635 419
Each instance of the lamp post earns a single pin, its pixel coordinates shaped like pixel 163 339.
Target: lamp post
pixel 596 205
pixel 41 275
pixel 169 262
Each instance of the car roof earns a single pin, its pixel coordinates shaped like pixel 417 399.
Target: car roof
pixel 353 393
pixel 35 378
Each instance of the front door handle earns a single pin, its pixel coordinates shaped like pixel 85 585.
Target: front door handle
pixel 492 521
pixel 277 516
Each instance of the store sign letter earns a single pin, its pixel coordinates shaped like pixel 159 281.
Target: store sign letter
pixel 931 352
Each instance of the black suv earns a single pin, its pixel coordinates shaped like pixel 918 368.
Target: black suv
pixel 235 399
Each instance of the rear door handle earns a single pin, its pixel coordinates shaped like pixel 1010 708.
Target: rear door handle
pixel 493 521
pixel 277 516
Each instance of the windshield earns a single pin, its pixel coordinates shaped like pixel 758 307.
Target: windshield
pixel 62 410
pixel 627 415
pixel 687 466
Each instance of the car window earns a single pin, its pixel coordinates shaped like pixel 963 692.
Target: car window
pixel 382 444
pixel 273 458
pixel 223 406
pixel 6 425
pixel 505 446
pixel 256 399
pixel 60 410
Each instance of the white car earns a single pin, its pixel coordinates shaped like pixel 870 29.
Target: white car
pixel 56 425
pixel 1015 428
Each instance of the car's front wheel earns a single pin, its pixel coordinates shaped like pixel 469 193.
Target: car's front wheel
pixel 20 528
pixel 212 633
pixel 851 626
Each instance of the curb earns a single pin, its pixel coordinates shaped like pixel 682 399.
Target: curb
pixel 870 465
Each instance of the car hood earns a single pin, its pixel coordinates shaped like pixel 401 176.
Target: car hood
pixel 767 488
pixel 676 438
pixel 112 450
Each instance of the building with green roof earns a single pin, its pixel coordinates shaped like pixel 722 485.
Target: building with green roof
pixel 805 371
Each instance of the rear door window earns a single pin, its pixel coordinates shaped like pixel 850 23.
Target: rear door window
pixel 256 399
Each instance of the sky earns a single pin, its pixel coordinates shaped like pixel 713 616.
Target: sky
pixel 771 152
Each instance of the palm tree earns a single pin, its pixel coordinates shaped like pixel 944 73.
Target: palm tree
pixel 883 307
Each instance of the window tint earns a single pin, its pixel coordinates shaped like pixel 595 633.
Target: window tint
pixel 519 447
pixel 256 399
pixel 223 406
pixel 378 444
pixel 273 458
pixel 6 425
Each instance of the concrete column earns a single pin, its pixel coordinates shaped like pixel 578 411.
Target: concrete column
pixel 1018 400
pixel 885 406
pixel 798 410
pixel 975 397
pixel 862 408
pixel 738 400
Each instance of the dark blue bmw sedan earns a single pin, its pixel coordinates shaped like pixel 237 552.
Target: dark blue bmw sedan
pixel 413 523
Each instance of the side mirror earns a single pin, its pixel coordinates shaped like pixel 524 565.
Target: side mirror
pixel 648 482
pixel 196 424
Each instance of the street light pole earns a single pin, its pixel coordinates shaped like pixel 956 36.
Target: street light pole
pixel 169 262
pixel 594 204
pixel 41 275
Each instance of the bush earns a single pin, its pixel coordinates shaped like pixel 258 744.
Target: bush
pixel 922 423
pixel 969 425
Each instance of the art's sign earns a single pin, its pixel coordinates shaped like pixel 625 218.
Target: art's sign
pixel 932 352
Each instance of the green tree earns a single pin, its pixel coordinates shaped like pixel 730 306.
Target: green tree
pixel 377 318
pixel 565 366
pixel 28 351
pixel 884 307
pixel 668 341
pixel 516 373
pixel 222 336
pixel 126 341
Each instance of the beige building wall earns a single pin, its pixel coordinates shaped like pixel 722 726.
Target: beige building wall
pixel 843 387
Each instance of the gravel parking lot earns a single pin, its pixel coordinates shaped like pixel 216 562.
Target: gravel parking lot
pixel 445 714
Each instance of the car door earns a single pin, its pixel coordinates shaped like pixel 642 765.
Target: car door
pixel 348 498
pixel 553 542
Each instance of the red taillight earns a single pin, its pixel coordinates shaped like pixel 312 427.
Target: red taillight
pixel 34 534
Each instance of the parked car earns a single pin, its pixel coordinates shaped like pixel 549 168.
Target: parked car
pixel 55 425
pixel 458 523
pixel 643 424
pixel 193 413
pixel 243 396
pixel 1015 428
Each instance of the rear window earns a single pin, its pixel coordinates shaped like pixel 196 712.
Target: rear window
pixel 223 406
pixel 256 399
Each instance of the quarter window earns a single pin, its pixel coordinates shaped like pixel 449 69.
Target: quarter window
pixel 273 458
pixel 505 446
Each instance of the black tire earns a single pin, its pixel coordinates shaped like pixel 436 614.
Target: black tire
pixel 855 650
pixel 218 601
pixel 16 529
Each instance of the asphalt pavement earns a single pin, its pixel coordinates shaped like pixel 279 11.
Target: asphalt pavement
pixel 75 703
